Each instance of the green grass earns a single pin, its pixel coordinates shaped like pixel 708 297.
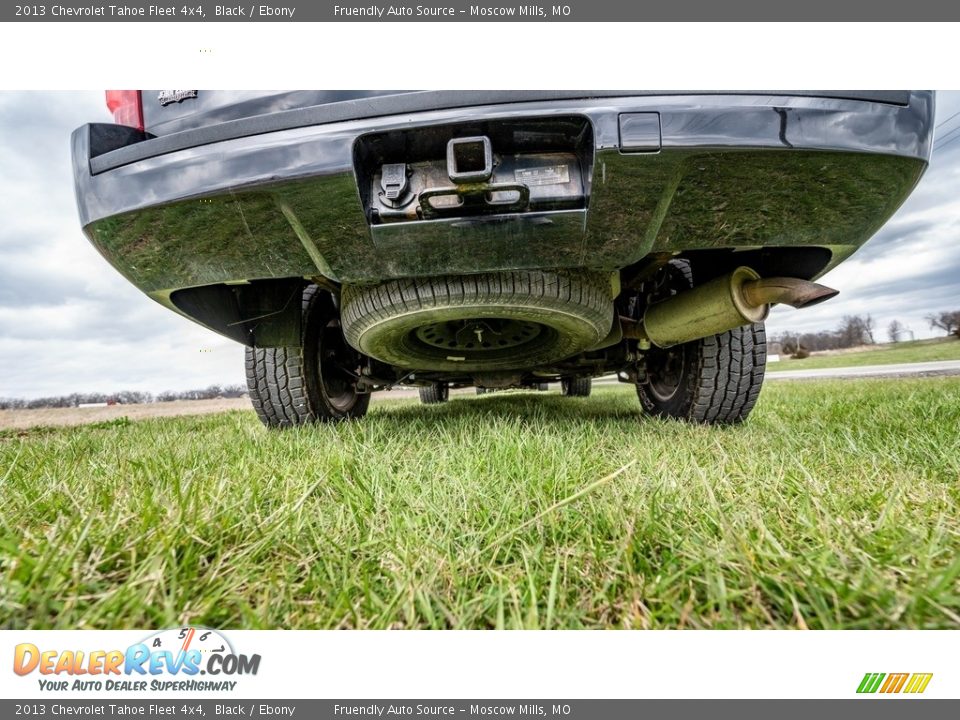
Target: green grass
pixel 836 506
pixel 906 352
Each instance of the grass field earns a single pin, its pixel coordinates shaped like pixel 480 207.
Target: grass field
pixel 906 352
pixel 836 506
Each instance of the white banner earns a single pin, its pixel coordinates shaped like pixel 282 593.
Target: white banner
pixel 456 664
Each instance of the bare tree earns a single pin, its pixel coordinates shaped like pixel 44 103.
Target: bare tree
pixel 856 330
pixel 895 330
pixel 948 321
pixel 234 391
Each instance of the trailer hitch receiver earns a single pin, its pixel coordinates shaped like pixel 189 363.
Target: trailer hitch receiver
pixel 469 160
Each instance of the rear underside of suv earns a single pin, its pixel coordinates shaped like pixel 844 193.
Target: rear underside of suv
pixel 356 241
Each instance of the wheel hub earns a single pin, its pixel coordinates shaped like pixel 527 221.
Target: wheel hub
pixel 334 358
pixel 665 370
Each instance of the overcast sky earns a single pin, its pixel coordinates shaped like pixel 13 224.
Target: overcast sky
pixel 70 323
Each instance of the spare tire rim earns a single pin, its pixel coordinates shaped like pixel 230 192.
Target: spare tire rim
pixel 479 335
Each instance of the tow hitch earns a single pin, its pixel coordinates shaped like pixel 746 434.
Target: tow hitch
pixel 446 173
pixel 473 193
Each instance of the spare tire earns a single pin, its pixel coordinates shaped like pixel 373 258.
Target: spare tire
pixel 492 321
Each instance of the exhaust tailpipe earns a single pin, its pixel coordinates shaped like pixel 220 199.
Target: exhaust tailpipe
pixel 789 291
pixel 724 303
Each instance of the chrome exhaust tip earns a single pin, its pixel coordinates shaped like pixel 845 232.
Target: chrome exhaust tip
pixel 794 292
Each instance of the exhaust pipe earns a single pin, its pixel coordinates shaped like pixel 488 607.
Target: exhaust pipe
pixel 789 291
pixel 722 304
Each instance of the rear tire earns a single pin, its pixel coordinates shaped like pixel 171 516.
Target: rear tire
pixel 716 379
pixel 310 383
pixel 576 387
pixel 434 394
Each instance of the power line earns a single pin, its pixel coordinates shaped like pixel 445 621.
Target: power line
pixel 947 143
pixel 949 119
pixel 946 135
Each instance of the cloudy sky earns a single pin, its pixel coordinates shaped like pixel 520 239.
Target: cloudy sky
pixel 70 323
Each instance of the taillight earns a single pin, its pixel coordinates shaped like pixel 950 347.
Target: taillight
pixel 126 107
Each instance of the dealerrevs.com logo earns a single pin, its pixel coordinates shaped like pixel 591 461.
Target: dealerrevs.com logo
pixel 889 683
pixel 167 660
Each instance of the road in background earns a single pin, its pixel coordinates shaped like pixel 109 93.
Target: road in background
pixel 919 369
pixel 937 367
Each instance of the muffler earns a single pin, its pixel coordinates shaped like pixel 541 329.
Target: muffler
pixel 727 302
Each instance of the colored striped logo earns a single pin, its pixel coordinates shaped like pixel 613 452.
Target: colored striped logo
pixel 894 682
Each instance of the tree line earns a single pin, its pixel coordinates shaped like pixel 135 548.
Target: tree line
pixel 859 330
pixel 124 397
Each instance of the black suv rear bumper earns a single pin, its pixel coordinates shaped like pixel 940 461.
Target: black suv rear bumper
pixel 278 196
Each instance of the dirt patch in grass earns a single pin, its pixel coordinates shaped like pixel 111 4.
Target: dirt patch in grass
pixel 23 419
